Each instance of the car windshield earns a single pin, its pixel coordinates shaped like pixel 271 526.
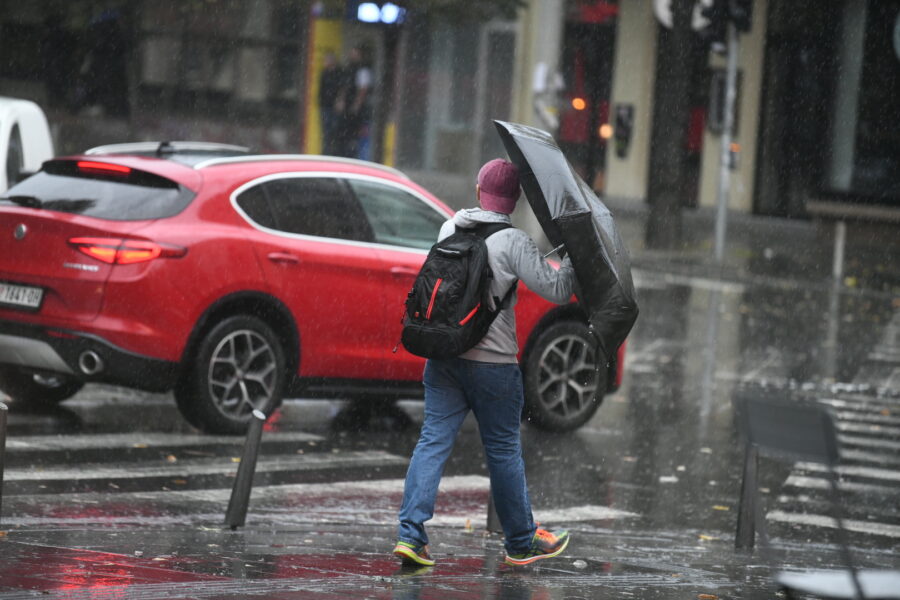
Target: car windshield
pixel 131 196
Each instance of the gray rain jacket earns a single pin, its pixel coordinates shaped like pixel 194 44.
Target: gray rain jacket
pixel 512 255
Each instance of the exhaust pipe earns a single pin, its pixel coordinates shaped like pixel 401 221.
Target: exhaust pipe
pixel 90 362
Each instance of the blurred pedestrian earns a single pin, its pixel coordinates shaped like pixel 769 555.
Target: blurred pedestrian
pixel 359 103
pixel 486 380
pixel 331 80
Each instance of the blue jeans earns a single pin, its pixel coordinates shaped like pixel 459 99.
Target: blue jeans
pixel 494 393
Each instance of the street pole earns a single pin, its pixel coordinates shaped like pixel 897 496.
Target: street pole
pixel 726 139
pixel 3 413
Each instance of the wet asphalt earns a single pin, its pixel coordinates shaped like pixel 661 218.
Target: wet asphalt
pixel 111 495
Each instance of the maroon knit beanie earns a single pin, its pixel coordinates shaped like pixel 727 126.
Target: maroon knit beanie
pixel 498 182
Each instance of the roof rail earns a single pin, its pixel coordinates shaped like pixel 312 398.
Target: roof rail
pixel 305 157
pixel 165 147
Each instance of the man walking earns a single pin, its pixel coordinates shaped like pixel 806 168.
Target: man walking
pixel 487 381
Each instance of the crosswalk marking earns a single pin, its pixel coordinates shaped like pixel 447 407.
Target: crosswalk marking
pixel 375 488
pixel 116 441
pixel 868 474
pixel 877 429
pixel 220 466
pixel 335 502
pixel 863 417
pixel 871 442
pixel 820 483
pixel 870 457
pixel 573 514
pixel 858 405
pixel 826 521
pixel 889 513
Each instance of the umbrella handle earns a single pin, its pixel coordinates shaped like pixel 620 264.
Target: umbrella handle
pixel 557 249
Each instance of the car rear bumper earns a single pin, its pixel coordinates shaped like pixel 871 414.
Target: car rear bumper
pixel 83 356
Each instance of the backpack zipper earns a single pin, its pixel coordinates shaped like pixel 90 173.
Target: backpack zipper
pixel 433 297
pixel 471 314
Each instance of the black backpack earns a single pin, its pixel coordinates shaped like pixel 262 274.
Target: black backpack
pixel 446 313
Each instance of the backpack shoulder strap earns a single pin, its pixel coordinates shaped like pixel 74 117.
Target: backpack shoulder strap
pixel 485 230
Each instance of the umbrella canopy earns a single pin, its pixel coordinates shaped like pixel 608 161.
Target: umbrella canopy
pixel 571 214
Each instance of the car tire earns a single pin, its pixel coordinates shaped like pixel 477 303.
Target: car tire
pixel 239 366
pixel 34 389
pixel 563 387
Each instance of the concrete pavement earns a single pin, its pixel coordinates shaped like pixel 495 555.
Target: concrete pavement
pixel 332 540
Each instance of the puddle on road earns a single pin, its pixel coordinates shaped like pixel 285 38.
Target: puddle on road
pixel 47 569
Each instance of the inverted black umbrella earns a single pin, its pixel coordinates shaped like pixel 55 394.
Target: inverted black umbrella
pixel 572 215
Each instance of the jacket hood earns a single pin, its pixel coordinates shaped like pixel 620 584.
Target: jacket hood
pixel 469 217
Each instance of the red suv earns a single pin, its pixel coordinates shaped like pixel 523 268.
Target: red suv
pixel 234 278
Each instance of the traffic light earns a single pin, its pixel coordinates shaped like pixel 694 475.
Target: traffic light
pixel 716 12
pixel 741 14
pixel 719 12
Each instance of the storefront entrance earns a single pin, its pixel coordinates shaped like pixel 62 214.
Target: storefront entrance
pixel 589 42
pixel 829 109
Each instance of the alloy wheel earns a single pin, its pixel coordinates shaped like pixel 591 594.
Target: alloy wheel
pixel 242 373
pixel 567 378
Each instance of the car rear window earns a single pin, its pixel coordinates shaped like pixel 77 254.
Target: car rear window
pixel 93 190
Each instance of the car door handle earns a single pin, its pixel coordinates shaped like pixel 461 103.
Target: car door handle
pixel 284 257
pixel 404 271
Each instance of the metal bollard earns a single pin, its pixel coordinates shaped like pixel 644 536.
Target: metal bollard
pixel 493 521
pixel 3 413
pixel 745 537
pixel 236 514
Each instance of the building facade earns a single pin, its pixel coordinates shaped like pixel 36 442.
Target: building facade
pixel 816 109
pixel 816 113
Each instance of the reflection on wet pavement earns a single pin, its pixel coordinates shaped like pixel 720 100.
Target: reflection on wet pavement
pixel 648 487
pixel 470 568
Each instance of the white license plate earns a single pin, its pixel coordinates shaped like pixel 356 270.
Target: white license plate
pixel 20 295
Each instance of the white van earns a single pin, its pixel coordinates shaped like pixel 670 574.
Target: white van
pixel 25 141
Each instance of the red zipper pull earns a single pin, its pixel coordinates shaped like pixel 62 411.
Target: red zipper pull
pixel 433 298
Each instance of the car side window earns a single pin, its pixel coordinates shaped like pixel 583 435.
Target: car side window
pixel 254 203
pixel 318 206
pixel 397 217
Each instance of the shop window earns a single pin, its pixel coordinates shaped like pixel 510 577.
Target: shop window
pixel 864 158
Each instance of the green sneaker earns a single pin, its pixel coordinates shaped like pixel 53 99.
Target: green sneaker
pixel 544 544
pixel 412 554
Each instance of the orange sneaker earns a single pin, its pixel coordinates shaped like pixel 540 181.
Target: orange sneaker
pixel 544 544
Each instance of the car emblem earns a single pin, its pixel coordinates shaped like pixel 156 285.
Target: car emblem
pixel 20 231
pixel 81 267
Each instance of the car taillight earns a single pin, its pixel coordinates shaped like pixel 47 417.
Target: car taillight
pixel 117 251
pixel 91 166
